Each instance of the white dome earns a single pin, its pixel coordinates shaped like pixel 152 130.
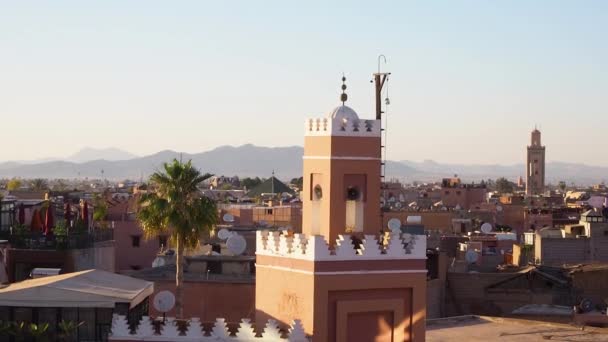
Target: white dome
pixel 344 112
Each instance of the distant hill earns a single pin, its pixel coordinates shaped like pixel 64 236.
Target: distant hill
pixel 556 171
pixel 89 153
pixel 250 160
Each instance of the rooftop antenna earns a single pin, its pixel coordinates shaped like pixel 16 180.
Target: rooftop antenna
pixel 379 79
pixel 272 183
pixel 343 97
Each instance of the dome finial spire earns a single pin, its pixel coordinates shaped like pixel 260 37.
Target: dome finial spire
pixel 343 97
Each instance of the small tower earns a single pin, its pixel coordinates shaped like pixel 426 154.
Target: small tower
pixel 535 166
pixel 344 280
pixel 342 183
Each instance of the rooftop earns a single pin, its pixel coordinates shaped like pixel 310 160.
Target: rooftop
pixel 482 328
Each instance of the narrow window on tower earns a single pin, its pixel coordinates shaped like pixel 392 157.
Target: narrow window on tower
pixel 354 193
pixel 316 196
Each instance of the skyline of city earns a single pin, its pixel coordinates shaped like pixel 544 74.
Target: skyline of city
pixel 466 78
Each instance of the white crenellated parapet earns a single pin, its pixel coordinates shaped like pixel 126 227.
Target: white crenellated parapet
pixel 285 244
pixel 296 333
pixel 344 247
pixel 299 245
pixel 220 329
pixel 272 331
pixel 145 327
pixel 246 331
pixel 219 332
pixel 339 127
pixel 120 326
pixel 195 331
pixel 169 329
pixel 316 248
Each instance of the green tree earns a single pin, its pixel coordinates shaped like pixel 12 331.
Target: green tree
pixel 251 183
pixel 226 186
pixel 100 210
pixel 503 186
pixel 60 185
pixel 39 184
pixel 13 184
pixel 175 206
pixel 299 182
pixel 562 186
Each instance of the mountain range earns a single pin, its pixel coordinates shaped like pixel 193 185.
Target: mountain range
pixel 250 160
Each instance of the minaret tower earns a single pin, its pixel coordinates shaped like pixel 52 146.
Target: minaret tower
pixel 344 280
pixel 535 166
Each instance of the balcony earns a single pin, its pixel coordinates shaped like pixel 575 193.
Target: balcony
pixel 38 241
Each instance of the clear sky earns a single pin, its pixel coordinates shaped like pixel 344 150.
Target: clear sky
pixel 470 79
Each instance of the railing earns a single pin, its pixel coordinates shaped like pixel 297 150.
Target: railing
pixel 31 240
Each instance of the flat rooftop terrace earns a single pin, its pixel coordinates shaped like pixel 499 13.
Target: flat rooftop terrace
pixel 482 328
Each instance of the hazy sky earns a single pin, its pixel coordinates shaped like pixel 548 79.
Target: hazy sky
pixel 469 78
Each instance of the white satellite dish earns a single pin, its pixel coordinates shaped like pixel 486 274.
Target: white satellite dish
pixel 499 208
pixel 164 301
pixel 394 225
pixel 414 219
pixel 224 234
pixel 471 256
pixel 486 228
pixel 236 244
pixel 596 201
pixel 398 205
pixel 228 218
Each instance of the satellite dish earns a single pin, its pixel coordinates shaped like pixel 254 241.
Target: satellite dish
pixel 398 205
pixel 228 218
pixel 486 228
pixel 159 262
pixel 471 256
pixel 164 301
pixel 586 305
pixel 414 219
pixel 236 244
pixel 394 225
pixel 223 234
pixel 499 208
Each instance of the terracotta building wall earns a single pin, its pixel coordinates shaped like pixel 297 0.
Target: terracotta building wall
pixel 210 300
pixel 129 257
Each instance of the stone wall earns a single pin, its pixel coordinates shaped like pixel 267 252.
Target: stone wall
pixel 559 251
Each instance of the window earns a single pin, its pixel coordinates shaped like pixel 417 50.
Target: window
pixel 268 211
pixel 318 192
pixel 162 241
pixel 135 240
pixel 135 267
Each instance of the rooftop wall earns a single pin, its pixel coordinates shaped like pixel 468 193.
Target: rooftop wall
pixel 146 331
pixel 330 127
pixel 316 248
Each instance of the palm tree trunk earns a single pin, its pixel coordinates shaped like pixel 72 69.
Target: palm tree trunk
pixel 179 277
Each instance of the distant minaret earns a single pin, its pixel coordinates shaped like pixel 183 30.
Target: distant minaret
pixel 535 167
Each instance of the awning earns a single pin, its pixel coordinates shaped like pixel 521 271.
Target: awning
pixel 85 289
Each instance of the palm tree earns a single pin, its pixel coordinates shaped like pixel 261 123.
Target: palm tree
pixel 175 205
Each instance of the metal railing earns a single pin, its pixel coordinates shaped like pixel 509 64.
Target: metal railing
pixel 36 240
